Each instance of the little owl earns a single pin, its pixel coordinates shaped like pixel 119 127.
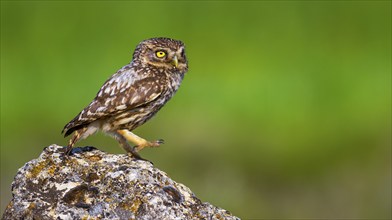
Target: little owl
pixel 132 95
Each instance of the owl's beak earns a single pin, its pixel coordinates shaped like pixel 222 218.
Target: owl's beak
pixel 175 61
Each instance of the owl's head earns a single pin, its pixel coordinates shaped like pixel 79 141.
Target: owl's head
pixel 162 52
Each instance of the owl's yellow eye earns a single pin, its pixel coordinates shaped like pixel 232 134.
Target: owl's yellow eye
pixel 160 54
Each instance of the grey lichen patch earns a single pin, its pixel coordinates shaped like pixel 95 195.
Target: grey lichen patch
pixel 97 185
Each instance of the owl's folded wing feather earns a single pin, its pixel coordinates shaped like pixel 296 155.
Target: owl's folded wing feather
pixel 115 98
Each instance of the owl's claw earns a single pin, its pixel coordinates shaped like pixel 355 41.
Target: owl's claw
pixel 69 151
pixel 159 142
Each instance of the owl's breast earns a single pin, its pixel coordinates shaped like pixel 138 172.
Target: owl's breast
pixel 134 118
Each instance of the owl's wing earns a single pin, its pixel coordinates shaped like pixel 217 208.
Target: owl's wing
pixel 115 98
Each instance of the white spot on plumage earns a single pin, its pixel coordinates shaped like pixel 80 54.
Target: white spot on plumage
pixel 125 79
pixel 113 91
pixel 133 100
pixel 123 115
pixel 80 115
pixel 121 107
pixel 125 120
pixel 153 96
pixel 107 90
pixel 101 109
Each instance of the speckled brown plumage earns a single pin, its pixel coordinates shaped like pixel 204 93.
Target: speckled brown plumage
pixel 133 94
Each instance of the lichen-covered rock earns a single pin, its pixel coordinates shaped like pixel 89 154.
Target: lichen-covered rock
pixel 98 185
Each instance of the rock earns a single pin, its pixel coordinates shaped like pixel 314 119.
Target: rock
pixel 92 184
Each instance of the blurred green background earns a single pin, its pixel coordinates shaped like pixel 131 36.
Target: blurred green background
pixel 285 111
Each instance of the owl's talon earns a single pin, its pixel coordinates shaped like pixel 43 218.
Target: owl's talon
pixel 156 143
pixel 68 151
pixel 159 142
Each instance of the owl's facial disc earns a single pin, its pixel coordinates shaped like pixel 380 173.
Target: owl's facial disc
pixel 162 57
pixel 166 58
pixel 162 53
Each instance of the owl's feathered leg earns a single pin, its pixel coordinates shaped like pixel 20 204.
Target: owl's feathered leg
pixel 124 144
pixel 140 142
